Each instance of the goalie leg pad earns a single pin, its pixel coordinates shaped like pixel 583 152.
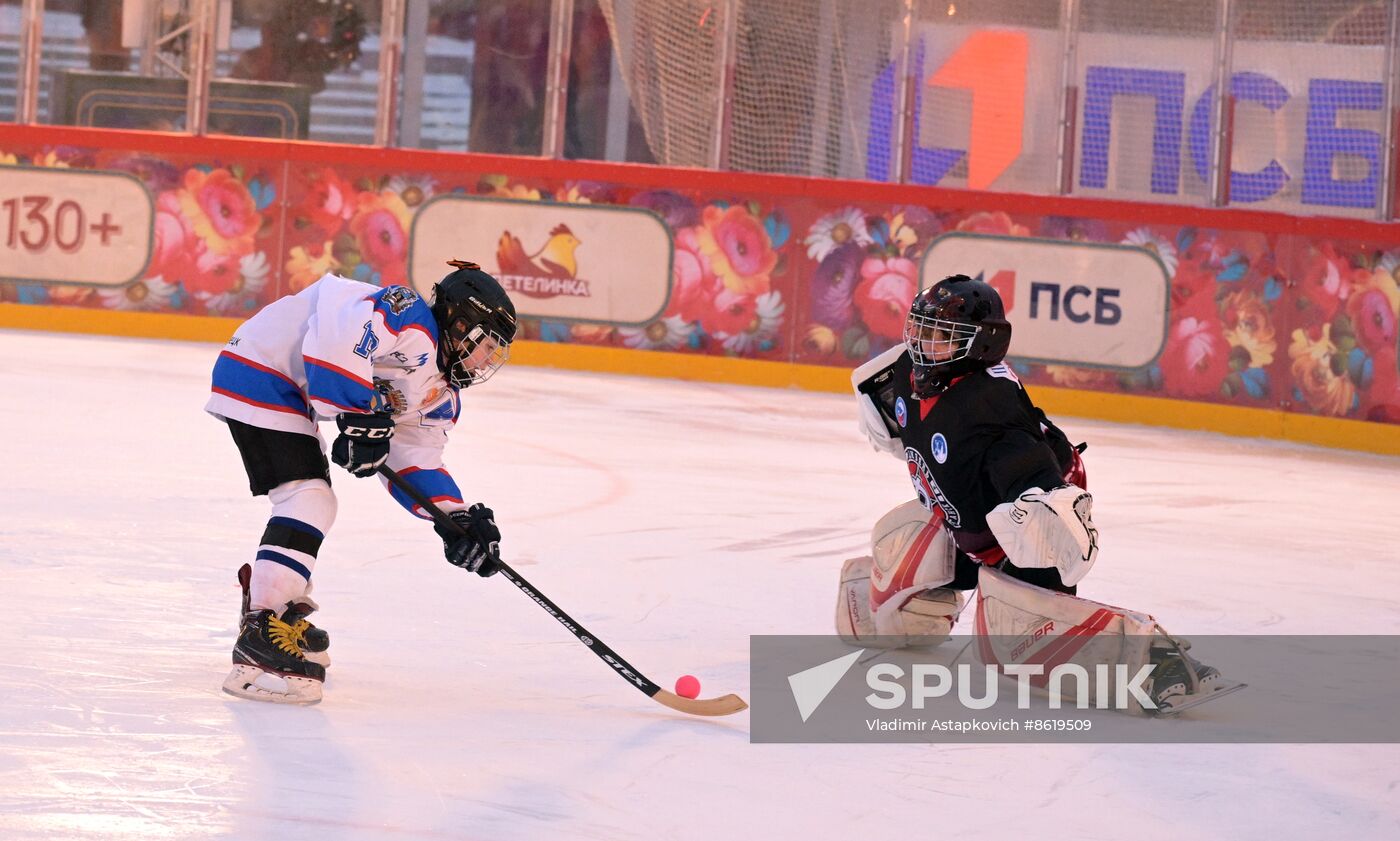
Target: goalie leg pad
pixel 897 591
pixel 928 614
pixel 912 552
pixel 1021 624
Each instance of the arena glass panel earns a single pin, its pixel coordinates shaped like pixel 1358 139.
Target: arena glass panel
pixel 473 76
pixel 1141 68
pixel 986 109
pixel 100 69
pixel 1309 126
pixel 9 58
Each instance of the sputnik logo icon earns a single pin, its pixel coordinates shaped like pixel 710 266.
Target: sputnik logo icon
pixel 811 686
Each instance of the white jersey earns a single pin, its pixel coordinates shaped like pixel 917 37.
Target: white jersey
pixel 344 346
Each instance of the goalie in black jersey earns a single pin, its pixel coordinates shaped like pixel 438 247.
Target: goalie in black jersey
pixel 1001 505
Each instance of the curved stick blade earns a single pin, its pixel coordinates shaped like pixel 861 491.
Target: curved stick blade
pixel 723 705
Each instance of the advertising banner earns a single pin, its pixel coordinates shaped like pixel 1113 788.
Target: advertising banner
pixel 556 260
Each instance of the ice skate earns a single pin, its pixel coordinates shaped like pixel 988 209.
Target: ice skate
pixel 268 665
pixel 314 642
pixel 1180 682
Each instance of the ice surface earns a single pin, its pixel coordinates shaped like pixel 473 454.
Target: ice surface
pixel 674 519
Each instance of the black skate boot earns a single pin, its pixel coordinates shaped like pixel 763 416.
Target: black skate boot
pixel 269 666
pixel 314 642
pixel 1172 683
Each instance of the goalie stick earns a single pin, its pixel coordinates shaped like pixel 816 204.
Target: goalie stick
pixel 723 705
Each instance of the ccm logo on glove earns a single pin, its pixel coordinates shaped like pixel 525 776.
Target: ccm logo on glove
pixel 363 443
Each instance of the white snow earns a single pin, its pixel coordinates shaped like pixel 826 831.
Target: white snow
pixel 673 519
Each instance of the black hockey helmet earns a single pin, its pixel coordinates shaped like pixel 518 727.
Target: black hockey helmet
pixel 476 324
pixel 955 327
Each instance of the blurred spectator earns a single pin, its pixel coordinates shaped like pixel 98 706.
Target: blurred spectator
pixel 302 41
pixel 102 21
pixel 508 80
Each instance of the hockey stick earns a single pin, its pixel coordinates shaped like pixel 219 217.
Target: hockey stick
pixel 723 705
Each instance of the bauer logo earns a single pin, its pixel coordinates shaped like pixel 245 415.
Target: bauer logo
pixel 939 447
pixel 572 262
pixel 901 412
pixel 1068 302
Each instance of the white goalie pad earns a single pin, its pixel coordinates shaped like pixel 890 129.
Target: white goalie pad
pixel 1024 625
pixel 897 591
pixel 1048 529
pixel 928 615
pixel 912 551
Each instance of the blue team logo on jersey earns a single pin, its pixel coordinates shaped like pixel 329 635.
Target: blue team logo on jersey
pixel 939 447
pixel 901 413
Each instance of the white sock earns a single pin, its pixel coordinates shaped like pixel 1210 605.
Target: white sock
pixel 302 512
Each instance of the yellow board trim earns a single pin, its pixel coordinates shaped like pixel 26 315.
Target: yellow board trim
pixel 1122 408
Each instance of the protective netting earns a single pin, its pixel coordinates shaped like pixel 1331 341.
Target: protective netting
pixel 1310 123
pixel 1140 67
pixel 9 57
pixel 986 114
pixel 805 74
pixel 671 59
pixel 818 89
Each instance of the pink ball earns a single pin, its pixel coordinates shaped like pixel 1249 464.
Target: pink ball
pixel 688 686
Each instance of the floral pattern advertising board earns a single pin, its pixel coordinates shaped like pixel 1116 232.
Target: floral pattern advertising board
pixel 1264 320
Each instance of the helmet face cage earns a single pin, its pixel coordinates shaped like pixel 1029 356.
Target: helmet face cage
pixel 936 341
pixel 474 353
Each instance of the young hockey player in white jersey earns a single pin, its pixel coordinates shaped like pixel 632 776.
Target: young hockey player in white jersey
pixel 1001 507
pixel 387 366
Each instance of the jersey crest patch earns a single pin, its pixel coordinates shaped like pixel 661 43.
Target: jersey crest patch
pixel 939 447
pixel 901 412
pixel 443 412
pixel 399 298
pixel 927 488
pixel 387 398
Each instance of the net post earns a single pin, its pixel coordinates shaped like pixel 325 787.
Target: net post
pixel 908 86
pixel 724 118
pixel 200 67
pixel 1069 96
pixel 390 61
pixel 561 31
pixel 1390 164
pixel 1222 151
pixel 31 27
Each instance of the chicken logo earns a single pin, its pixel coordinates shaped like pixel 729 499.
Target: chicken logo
pixel 549 272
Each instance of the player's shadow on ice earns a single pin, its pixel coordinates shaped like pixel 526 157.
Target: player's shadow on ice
pixel 292 758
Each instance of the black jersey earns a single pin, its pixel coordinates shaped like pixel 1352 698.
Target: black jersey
pixel 978 444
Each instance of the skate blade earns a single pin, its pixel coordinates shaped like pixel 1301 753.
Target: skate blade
pixel 250 682
pixel 1192 701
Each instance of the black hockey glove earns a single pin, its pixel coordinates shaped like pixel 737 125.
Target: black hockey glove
pixel 363 443
pixel 477 546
